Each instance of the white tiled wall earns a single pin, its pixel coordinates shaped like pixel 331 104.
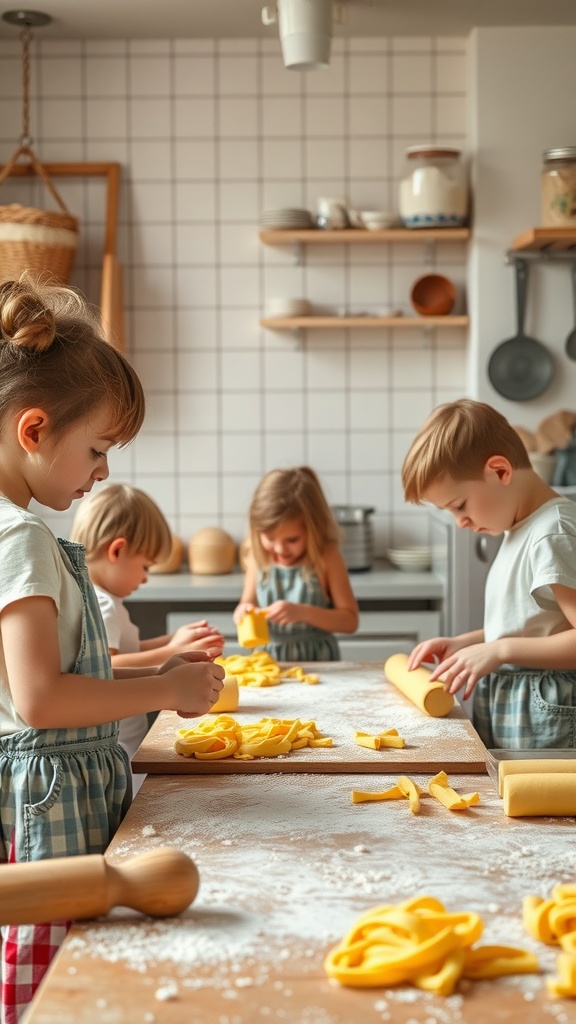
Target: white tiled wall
pixel 210 133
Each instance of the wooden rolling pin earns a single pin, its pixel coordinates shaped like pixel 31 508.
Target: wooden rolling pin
pixel 432 698
pixel 160 883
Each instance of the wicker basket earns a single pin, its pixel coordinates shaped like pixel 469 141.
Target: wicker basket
pixel 40 241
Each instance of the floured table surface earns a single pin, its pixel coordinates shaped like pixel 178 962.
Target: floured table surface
pixel 286 866
pixel 350 696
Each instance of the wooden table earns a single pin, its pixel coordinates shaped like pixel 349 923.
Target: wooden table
pixel 349 696
pixel 287 865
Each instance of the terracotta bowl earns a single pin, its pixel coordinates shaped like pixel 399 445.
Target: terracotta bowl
pixel 433 295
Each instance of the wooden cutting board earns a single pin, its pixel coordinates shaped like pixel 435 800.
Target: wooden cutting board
pixel 287 864
pixel 350 696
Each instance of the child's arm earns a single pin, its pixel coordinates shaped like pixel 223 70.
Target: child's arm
pixel 47 698
pixel 341 618
pixel 248 599
pixel 198 636
pixel 465 667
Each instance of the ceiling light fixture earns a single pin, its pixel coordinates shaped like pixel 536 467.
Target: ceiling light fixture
pixel 305 31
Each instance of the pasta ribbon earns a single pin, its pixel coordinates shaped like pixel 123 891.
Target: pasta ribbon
pixel 440 788
pixel 225 737
pixel 260 669
pixel 419 941
pixel 380 740
pixel 411 791
pixel 553 921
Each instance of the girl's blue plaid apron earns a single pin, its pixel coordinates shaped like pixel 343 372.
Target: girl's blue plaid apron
pixel 63 792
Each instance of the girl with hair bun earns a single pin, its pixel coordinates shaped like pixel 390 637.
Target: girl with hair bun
pixel 295 570
pixel 66 398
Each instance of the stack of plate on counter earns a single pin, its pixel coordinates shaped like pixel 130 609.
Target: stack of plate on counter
pixel 288 307
pixel 286 219
pixel 413 559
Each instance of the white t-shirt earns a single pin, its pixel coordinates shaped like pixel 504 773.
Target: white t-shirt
pixel 33 566
pixel 536 553
pixel 124 636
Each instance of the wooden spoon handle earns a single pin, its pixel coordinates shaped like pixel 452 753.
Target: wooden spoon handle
pixel 160 883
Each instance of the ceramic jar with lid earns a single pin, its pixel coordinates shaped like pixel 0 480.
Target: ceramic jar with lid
pixel 558 188
pixel 434 189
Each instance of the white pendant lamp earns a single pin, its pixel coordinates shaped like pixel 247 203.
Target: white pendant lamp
pixel 305 32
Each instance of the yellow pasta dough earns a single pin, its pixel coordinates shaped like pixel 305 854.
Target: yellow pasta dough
pixel 260 669
pixel 418 941
pixel 564 984
pixel 538 766
pixel 404 789
pixel 225 737
pixel 432 698
pixel 534 795
pixel 253 629
pixel 379 741
pixel 440 788
pixel 227 698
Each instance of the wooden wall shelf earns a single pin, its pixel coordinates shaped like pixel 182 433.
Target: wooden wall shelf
pixel 546 242
pixel 311 323
pixel 356 236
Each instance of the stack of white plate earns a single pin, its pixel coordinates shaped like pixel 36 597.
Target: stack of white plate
pixel 413 559
pixel 288 307
pixel 286 218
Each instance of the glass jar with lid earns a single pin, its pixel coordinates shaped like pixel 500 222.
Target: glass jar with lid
pixel 558 188
pixel 434 189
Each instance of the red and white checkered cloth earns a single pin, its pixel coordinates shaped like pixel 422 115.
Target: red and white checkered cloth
pixel 27 951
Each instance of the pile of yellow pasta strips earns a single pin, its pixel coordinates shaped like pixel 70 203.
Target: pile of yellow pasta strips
pixel 553 921
pixel 213 739
pixel 418 941
pixel 260 669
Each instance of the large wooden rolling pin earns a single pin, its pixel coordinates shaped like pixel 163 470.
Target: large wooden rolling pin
pixel 161 883
pixel 432 698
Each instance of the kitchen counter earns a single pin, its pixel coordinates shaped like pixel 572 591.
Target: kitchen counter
pixel 397 609
pixel 287 864
pixel 383 582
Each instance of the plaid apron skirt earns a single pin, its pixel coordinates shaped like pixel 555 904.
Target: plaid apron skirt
pixel 526 709
pixel 63 792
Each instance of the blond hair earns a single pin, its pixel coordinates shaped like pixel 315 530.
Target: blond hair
pixel 456 441
pixel 53 355
pixel 285 494
pixel 119 510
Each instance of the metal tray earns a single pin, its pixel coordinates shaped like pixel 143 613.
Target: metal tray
pixel 493 757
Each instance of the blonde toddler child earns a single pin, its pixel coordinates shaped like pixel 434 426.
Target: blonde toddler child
pixel 124 533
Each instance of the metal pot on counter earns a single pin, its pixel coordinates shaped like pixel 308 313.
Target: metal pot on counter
pixel 357 533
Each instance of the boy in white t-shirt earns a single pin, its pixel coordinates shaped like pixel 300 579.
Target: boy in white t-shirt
pixel 124 533
pixel 521 665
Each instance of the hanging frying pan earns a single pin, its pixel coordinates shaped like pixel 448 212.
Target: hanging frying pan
pixel 520 368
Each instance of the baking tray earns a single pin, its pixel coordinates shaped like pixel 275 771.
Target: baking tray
pixel 493 757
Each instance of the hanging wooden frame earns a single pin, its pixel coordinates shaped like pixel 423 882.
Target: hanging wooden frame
pixel 111 290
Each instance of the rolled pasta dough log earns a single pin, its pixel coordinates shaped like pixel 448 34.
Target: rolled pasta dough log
pixel 534 795
pixel 228 697
pixel 432 698
pixel 541 766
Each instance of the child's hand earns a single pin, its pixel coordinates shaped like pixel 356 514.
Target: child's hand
pixel 467 666
pixel 284 612
pixel 430 652
pixel 197 636
pixel 240 611
pixel 193 683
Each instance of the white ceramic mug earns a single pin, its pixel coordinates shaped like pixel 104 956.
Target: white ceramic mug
pixel 332 211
